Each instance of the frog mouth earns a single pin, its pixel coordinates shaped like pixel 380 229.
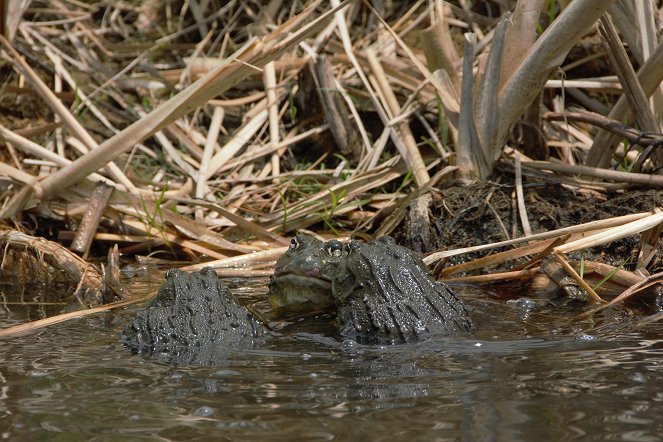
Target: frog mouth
pixel 302 281
pixel 292 290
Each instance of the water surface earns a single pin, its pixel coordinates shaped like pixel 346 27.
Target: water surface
pixel 524 375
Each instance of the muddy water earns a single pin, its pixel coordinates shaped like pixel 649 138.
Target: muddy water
pixel 541 374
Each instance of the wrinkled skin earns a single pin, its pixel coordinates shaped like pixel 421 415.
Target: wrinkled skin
pixel 303 274
pixel 192 316
pixel 384 294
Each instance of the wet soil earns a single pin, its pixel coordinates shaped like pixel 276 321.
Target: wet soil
pixel 483 213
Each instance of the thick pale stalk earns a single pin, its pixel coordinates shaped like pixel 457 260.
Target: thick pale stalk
pixel 412 155
pixel 547 53
pixel 269 79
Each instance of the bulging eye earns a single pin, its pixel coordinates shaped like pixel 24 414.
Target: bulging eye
pixel 294 244
pixel 352 247
pixel 334 248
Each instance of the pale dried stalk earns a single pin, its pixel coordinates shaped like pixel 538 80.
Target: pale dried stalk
pixel 210 143
pixel 581 282
pixel 520 36
pixel 35 149
pixel 269 79
pixel 155 233
pixel 242 260
pixel 649 281
pixel 494 277
pixel 537 248
pixel 627 77
pixel 586 227
pixel 612 234
pixel 520 197
pixel 241 138
pixel 244 224
pixel 650 76
pixel 547 53
pixel 606 174
pixel 411 155
pixel 248 157
pixel 609 83
pixel 23 329
pixel 16 174
pixel 172 153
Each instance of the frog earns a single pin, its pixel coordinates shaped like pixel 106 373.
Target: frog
pixel 381 293
pixel 302 279
pixel 385 294
pixel 191 314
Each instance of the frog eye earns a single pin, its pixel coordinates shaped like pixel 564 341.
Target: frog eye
pixel 294 244
pixel 334 248
pixel 352 247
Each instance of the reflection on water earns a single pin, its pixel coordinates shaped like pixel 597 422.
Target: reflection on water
pixel 524 375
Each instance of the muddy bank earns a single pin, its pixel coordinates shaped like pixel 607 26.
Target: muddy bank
pixel 463 216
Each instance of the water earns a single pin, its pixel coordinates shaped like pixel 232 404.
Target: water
pixel 528 373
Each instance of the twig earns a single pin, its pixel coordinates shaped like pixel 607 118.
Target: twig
pixel 605 174
pixel 571 271
pixel 520 198
pixel 23 329
pixel 593 225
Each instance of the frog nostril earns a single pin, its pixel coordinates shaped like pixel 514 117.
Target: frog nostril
pixel 311 271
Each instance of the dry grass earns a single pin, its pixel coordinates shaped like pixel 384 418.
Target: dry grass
pixel 222 128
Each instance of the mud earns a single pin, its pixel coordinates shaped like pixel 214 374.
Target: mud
pixel 464 216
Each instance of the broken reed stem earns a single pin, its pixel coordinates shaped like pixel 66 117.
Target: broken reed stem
pixel 613 233
pixel 411 155
pixel 627 77
pixel 596 172
pixel 520 198
pixel 208 150
pixel 269 79
pixel 242 260
pixel 22 329
pixel 593 225
pixel 493 277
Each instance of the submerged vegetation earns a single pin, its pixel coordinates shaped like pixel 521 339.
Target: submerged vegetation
pixel 508 140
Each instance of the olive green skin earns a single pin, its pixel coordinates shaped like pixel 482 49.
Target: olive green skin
pixel 385 294
pixel 303 274
pixel 382 292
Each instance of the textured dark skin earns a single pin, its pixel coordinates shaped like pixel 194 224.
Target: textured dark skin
pixel 192 314
pixel 384 294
